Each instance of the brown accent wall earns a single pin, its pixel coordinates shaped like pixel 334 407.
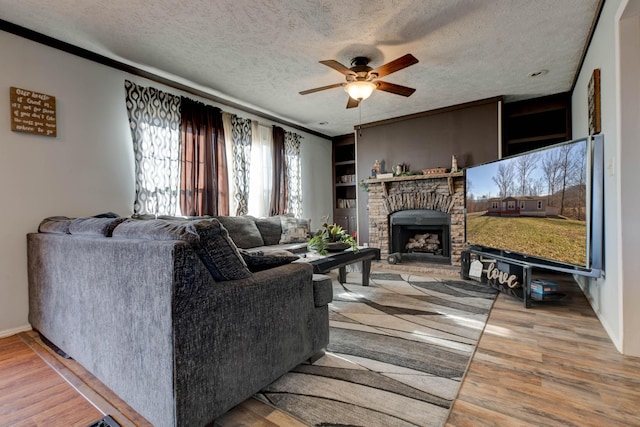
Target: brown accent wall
pixel 469 131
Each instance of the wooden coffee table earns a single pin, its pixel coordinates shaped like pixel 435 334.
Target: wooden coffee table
pixel 340 260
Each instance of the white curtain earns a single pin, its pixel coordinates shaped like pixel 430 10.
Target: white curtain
pixel 154 119
pixel 294 174
pixel 261 169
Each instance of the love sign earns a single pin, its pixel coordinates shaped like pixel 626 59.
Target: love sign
pixel 502 277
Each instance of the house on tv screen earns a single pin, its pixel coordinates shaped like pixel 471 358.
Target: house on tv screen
pixel 520 206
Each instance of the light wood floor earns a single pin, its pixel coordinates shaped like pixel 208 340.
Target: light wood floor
pixel 551 365
pixel 31 393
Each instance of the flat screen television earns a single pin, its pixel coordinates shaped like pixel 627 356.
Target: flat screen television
pixel 543 207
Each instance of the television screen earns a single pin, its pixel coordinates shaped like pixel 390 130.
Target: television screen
pixel 533 204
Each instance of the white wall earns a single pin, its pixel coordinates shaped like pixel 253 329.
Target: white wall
pixel 88 168
pixel 614 297
pixel 629 107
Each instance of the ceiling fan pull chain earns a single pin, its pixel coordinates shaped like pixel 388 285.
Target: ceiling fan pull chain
pixel 360 119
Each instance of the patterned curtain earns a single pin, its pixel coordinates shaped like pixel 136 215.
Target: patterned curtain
pixel 241 137
pixel 154 119
pixel 204 187
pixel 279 194
pixel 293 173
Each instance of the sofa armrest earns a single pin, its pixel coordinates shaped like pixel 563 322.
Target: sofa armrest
pixel 241 335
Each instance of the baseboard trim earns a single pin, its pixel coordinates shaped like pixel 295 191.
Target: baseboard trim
pixel 9 332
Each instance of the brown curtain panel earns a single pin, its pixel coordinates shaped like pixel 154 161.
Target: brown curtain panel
pixel 279 192
pixel 204 186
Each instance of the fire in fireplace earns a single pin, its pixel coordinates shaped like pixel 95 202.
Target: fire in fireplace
pixel 421 233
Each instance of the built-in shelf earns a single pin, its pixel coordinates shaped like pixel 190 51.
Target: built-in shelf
pixel 536 123
pixel 345 187
pixel 550 137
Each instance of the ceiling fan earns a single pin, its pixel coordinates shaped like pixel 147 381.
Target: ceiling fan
pixel 362 80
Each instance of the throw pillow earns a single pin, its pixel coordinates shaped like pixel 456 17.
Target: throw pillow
pixel 270 229
pixel 218 252
pixel 55 225
pixel 264 260
pixel 242 230
pixel 294 230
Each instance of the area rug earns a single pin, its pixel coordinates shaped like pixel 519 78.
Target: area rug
pixel 398 350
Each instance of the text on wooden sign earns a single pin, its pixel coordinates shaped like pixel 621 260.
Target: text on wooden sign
pixel 33 112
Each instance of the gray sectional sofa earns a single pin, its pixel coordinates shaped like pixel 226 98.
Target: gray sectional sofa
pixel 168 315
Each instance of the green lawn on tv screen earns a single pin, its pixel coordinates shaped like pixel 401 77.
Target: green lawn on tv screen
pixel 551 238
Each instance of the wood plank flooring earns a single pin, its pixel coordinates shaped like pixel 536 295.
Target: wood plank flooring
pixel 551 365
pixel 33 394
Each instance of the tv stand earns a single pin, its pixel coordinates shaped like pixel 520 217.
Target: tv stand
pixel 505 274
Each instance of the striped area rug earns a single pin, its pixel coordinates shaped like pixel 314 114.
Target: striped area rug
pixel 397 353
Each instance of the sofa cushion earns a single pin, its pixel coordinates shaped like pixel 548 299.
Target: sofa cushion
pixel 295 248
pixel 55 225
pixel 102 226
pixel 208 237
pixel 157 229
pixel 264 260
pixel 270 229
pixel 294 230
pixel 242 230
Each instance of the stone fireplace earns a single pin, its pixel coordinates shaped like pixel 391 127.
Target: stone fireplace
pixel 421 234
pixel 421 215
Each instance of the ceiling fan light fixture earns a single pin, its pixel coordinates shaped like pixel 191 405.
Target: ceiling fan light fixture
pixel 360 90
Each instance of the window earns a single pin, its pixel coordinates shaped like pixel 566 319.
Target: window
pixel 522 204
pixel 294 173
pixel 539 204
pixel 494 205
pixel 260 179
pixel 155 122
pixel 511 205
pixel 154 119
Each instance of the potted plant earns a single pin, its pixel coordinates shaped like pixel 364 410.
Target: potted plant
pixel 331 237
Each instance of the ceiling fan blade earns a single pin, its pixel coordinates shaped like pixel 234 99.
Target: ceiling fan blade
pixel 332 63
pixel 352 103
pixel 394 88
pixel 395 65
pixel 318 89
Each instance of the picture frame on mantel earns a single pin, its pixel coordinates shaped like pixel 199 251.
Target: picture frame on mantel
pixel 593 97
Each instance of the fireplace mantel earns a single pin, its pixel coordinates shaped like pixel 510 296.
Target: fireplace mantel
pixel 413 177
pixel 448 176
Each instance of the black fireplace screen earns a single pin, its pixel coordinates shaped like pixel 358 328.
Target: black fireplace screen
pixel 420 232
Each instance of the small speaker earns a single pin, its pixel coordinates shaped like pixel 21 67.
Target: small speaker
pixel 394 258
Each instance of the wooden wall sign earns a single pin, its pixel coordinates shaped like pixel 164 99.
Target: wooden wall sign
pixel 594 102
pixel 33 112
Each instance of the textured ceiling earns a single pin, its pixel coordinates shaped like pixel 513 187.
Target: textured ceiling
pixel 261 53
